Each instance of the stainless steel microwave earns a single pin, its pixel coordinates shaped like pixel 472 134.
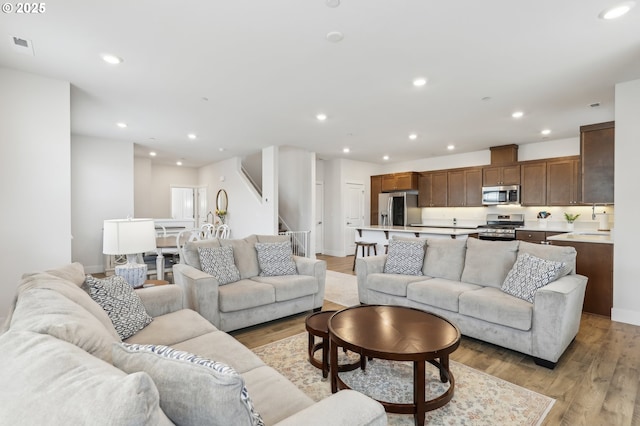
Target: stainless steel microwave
pixel 492 195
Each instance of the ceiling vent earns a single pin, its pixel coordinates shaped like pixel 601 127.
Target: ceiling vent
pixel 22 45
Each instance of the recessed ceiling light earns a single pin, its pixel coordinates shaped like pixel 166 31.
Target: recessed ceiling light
pixel 153 154
pixel 112 59
pixel 419 82
pixel 346 150
pixel 178 163
pixel 335 36
pixel 617 11
pixel 321 117
pixel 386 157
pixel 333 3
pixel 122 125
pixel 413 136
pixel 545 132
pixel 517 114
pixel 192 136
pixel 451 147
pixel 221 149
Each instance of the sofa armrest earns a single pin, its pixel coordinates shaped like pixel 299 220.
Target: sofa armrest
pixel 346 407
pixel 557 310
pixel 200 291
pixel 161 300
pixel 364 267
pixel 315 268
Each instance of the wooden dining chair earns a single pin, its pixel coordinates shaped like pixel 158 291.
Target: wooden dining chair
pixel 223 231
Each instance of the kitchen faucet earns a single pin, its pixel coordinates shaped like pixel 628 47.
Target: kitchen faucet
pixel 593 211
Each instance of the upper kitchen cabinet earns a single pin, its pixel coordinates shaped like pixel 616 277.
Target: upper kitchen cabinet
pixel 464 187
pixel 563 181
pixel 376 188
pixel 597 148
pixel 432 187
pixel 400 182
pixel 504 154
pixel 533 179
pixel 501 175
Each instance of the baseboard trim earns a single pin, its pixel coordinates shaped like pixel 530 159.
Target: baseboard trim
pixel 625 315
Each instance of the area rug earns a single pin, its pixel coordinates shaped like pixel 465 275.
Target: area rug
pixel 479 399
pixel 341 289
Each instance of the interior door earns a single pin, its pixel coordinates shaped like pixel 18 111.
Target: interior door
pixel 319 217
pixel 202 206
pixel 354 212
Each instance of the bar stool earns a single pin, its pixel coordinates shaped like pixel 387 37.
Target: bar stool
pixel 364 244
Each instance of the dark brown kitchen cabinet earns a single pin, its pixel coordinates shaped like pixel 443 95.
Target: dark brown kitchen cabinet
pixel 597 149
pixel 563 181
pixel 503 175
pixel 535 237
pixel 595 261
pixel 533 181
pixel 400 182
pixel 464 187
pixel 376 188
pixel 432 189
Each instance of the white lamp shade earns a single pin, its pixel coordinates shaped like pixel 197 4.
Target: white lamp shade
pixel 128 236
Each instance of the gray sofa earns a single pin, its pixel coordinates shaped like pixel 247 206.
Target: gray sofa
pixel 253 299
pixel 462 281
pixel 62 362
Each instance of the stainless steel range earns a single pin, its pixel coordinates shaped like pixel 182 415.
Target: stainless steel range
pixel 501 227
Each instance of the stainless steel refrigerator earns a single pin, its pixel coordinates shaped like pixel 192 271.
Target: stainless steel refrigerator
pixel 399 209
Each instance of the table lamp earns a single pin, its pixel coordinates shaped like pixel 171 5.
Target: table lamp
pixel 129 237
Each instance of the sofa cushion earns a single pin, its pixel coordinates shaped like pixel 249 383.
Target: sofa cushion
pixel 289 287
pixel 245 294
pixel 173 328
pixel 439 292
pixel 493 305
pixel 47 381
pixel 445 258
pixel 394 284
pixel 121 303
pixel 405 257
pixel 244 255
pixel 564 254
pixel 273 238
pixel 487 263
pixel 276 259
pixel 46 311
pixel 193 390
pixel 218 262
pixel 528 274
pixel 190 253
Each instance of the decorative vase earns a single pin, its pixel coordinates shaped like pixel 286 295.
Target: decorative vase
pixel 542 223
pixel 570 226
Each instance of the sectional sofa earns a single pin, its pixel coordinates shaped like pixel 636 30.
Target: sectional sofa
pixel 463 280
pixel 63 360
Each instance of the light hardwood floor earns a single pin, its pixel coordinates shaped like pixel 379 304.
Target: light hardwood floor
pixel 596 382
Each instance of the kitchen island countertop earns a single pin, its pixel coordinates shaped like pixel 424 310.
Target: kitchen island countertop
pixel 453 232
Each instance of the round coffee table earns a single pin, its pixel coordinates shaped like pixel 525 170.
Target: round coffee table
pixel 397 333
pixel 317 326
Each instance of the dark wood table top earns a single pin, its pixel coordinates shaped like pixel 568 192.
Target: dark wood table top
pixel 394 332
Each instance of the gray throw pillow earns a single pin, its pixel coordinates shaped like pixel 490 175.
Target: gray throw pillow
pixel 193 390
pixel 405 257
pixel 528 274
pixel 276 259
pixel 121 303
pixel 218 262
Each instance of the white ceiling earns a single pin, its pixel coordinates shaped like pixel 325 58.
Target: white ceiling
pixel 267 69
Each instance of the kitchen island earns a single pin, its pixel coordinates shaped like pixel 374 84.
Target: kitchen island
pixel 380 235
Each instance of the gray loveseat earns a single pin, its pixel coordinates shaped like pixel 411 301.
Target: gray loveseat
pixel 62 362
pixel 253 299
pixel 462 281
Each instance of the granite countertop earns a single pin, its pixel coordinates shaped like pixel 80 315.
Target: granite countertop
pixel 601 237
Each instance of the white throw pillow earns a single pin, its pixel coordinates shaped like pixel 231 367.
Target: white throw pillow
pixel 218 262
pixel 276 259
pixel 121 303
pixel 405 257
pixel 528 274
pixel 193 390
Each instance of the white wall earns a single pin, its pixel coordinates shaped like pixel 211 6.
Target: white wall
pixel 153 184
pixel 295 178
pixel 35 176
pixel 626 270
pixel 143 188
pixel 101 188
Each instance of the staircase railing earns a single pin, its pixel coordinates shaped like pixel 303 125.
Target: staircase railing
pixel 299 242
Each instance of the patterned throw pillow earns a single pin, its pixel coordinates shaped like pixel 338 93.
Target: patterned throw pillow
pixel 276 259
pixel 121 303
pixel 221 396
pixel 218 262
pixel 528 274
pixel 405 257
